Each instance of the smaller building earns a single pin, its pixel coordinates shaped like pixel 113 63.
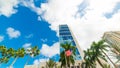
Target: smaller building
pixel 113 38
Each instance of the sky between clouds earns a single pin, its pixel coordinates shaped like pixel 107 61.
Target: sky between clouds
pixel 88 19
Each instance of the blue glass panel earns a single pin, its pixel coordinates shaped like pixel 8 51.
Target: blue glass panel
pixel 67 33
pixel 66 37
pixel 73 43
pixel 63 30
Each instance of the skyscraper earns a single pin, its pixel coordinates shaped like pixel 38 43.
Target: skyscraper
pixel 66 35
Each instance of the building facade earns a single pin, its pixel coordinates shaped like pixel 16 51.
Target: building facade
pixel 66 35
pixel 113 38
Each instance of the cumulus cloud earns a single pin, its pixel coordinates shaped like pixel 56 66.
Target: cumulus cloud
pixel 44 40
pixel 91 26
pixel 37 61
pixel 50 51
pixel 30 4
pixel 27 45
pixel 7 7
pixel 86 28
pixel 12 33
pixel 1 38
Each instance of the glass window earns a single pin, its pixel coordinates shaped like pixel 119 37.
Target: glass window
pixel 63 30
pixel 73 43
pixel 67 37
pixel 66 33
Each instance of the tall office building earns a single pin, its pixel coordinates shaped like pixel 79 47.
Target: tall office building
pixel 66 35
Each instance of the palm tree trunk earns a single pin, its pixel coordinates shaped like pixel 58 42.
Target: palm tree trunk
pixel 100 63
pixel 27 60
pixel 13 62
pixel 110 59
pixel 66 61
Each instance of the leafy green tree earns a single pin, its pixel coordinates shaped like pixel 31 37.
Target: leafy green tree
pixel 32 52
pixel 20 53
pixel 67 60
pixel 4 58
pixel 50 64
pixel 95 54
pixel 101 47
pixel 88 58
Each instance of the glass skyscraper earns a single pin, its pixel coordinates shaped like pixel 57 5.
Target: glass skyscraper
pixel 65 35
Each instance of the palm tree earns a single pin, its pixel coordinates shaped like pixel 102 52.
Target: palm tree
pixel 88 58
pixel 4 60
pixel 50 64
pixel 96 47
pixel 3 50
pixel 95 53
pixel 20 53
pixel 67 60
pixel 101 47
pixel 10 52
pixel 32 52
pixel 4 53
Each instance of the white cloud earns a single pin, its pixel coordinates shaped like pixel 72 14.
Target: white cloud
pixel 1 38
pixel 90 27
pixel 27 45
pixel 38 61
pixel 44 40
pixel 30 4
pixel 7 7
pixel 29 36
pixel 39 18
pixel 12 33
pixel 50 51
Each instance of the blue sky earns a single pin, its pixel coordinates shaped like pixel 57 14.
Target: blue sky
pixel 31 31
pixel 25 23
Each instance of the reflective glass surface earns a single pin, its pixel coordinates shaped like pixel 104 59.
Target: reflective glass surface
pixel 65 36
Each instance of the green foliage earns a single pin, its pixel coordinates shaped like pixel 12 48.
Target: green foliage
pixel 7 53
pixel 67 60
pixel 50 64
pixel 95 53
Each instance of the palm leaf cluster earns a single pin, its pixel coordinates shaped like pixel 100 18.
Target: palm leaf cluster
pixel 95 54
pixel 50 64
pixel 67 60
